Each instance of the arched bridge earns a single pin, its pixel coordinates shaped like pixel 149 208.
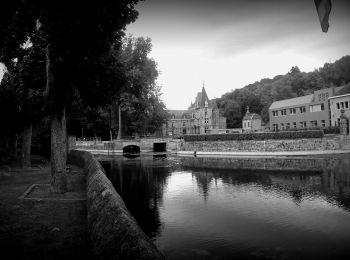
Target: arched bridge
pixel 143 144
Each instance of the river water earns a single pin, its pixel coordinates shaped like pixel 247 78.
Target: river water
pixel 226 208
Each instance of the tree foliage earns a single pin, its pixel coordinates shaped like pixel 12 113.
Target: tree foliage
pixel 132 86
pixel 77 34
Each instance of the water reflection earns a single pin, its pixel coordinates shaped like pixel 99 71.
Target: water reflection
pixel 215 208
pixel 140 183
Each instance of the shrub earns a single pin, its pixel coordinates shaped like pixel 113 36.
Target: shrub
pixel 332 130
pixel 255 136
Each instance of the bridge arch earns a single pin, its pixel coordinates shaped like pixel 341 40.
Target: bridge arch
pixel 131 149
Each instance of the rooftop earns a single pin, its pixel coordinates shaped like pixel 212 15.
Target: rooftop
pixel 292 102
pixel 180 114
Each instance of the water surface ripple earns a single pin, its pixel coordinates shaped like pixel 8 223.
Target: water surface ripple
pixel 212 208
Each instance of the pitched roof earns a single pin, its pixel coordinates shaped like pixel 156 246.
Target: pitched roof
pixel 251 116
pixel 292 102
pixel 309 98
pixel 201 98
pixel 180 114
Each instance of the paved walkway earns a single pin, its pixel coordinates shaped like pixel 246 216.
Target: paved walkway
pixel 37 225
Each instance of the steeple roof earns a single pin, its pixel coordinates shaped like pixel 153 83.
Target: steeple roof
pixel 201 98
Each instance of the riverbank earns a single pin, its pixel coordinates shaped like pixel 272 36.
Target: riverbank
pixel 37 225
pixel 328 145
pixel 264 154
pixel 231 154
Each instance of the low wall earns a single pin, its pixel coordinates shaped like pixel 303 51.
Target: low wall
pixel 310 144
pixel 114 232
pixel 270 164
pixel 117 145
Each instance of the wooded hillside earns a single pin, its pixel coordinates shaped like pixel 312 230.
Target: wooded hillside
pixel 260 95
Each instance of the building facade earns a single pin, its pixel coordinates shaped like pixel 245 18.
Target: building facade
pixel 338 105
pixel 251 122
pixel 309 111
pixel 202 116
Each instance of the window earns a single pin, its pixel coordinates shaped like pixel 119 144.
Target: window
pixel 302 109
pixel 323 123
pixel 274 127
pixel 292 111
pixel 338 105
pixel 317 108
pixel 342 105
pixel 313 123
pixel 282 126
pixel 302 124
pixel 288 126
pixel 248 123
pixel 294 124
pixel 346 104
pixel 283 112
pixel 184 124
pixel 274 113
pixel 323 96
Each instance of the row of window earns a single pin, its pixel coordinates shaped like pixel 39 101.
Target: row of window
pixel 342 105
pixel 302 124
pixel 246 124
pixel 294 110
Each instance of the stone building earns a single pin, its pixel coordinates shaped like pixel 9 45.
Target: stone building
pixel 338 103
pixel 251 122
pixel 308 111
pixel 201 116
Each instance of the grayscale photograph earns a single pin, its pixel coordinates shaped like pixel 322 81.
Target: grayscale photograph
pixel 175 129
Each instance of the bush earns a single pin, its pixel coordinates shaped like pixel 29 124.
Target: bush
pixel 332 130
pixel 256 136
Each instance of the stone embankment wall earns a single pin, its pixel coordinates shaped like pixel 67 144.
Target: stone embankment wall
pixel 269 164
pixel 327 143
pixel 114 232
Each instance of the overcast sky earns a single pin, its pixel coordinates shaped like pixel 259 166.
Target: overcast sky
pixel 229 44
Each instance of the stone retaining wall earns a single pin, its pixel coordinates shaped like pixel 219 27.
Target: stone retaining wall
pixel 114 232
pixel 312 144
pixel 270 164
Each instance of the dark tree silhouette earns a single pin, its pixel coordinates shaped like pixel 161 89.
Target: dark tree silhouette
pixel 76 33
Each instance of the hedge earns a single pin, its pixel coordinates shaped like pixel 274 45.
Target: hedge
pixel 255 136
pixel 326 130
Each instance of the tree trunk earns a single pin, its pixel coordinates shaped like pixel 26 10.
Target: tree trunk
pixel 26 145
pixel 119 123
pixel 56 95
pixel 58 153
pixel 13 146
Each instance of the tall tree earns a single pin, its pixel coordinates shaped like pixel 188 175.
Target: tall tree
pixel 76 32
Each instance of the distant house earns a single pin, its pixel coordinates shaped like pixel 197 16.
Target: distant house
pixel 251 122
pixel 304 112
pixel 338 103
pixel 200 118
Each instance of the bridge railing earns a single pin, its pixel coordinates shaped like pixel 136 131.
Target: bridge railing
pixel 88 139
